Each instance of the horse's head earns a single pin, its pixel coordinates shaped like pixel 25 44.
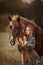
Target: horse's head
pixel 13 26
pixel 17 27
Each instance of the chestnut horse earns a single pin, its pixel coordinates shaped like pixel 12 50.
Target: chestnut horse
pixel 18 25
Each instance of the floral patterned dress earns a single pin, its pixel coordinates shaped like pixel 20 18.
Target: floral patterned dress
pixel 35 60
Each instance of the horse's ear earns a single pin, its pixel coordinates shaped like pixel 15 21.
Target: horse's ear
pixel 18 19
pixel 9 18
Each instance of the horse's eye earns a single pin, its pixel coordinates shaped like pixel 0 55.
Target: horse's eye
pixel 10 27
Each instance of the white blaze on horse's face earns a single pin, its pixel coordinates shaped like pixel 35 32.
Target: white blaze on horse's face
pixel 12 24
pixel 11 40
pixel 10 32
pixel 13 21
pixel 14 29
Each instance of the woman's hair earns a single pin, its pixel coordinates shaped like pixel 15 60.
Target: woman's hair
pixel 31 27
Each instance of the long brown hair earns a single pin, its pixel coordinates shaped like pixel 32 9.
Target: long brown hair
pixel 31 33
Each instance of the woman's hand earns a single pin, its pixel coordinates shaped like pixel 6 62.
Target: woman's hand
pixel 21 42
pixel 24 38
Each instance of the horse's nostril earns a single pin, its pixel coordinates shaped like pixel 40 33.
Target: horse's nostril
pixel 12 43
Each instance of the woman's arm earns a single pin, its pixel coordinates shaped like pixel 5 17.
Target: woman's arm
pixel 21 42
pixel 31 42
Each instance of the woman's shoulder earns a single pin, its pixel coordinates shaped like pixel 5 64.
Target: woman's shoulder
pixel 32 37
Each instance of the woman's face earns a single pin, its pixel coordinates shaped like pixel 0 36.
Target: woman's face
pixel 28 31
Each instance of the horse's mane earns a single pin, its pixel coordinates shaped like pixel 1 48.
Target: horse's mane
pixel 30 21
pixel 26 20
pixel 38 33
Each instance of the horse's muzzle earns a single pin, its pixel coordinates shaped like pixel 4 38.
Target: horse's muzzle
pixel 12 41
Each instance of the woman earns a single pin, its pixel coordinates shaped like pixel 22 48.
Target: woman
pixel 28 42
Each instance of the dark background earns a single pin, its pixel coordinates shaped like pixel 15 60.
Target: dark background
pixel 32 10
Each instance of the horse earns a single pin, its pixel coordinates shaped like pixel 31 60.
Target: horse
pixel 17 26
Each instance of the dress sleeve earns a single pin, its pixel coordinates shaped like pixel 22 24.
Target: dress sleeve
pixel 32 41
